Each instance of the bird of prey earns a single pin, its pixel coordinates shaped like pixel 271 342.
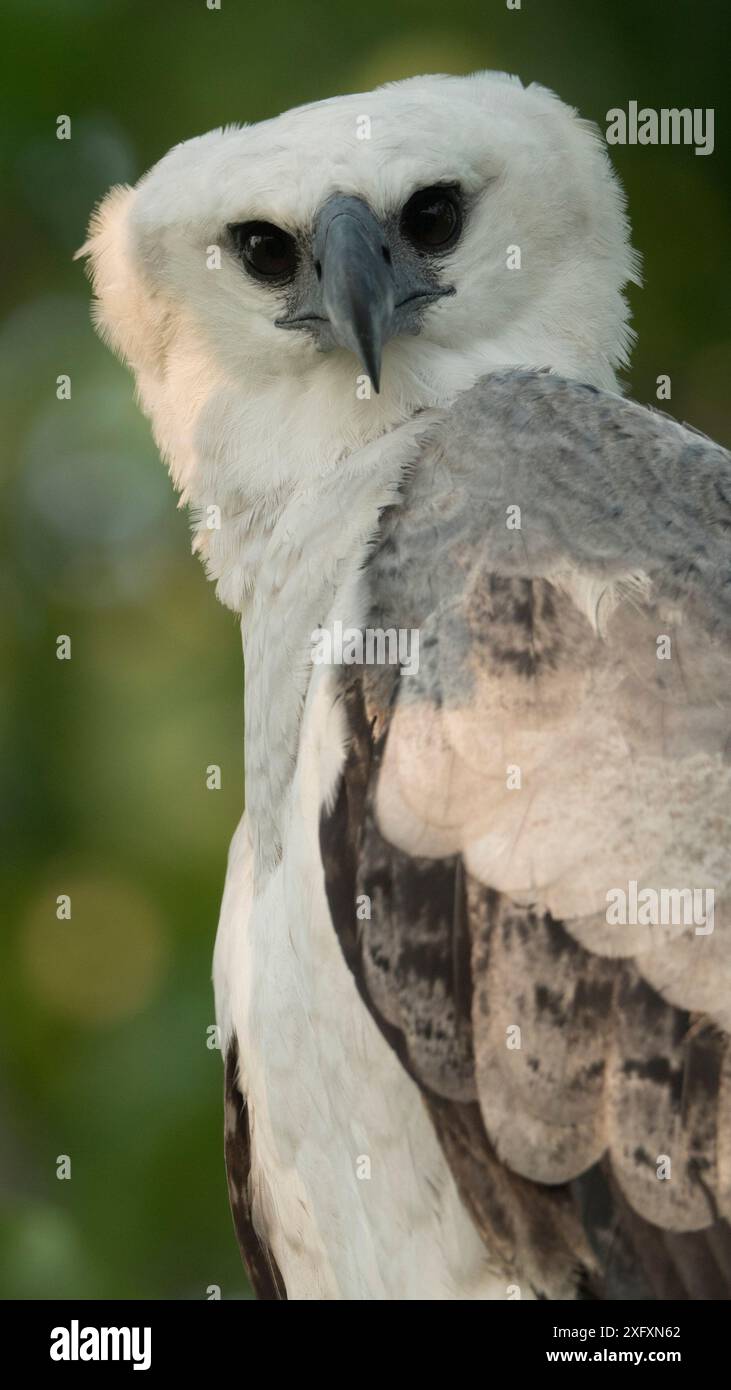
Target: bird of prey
pixel 472 970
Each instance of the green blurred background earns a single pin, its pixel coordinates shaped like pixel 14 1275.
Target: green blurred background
pixel 104 1017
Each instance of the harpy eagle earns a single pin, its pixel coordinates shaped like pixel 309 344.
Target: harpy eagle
pixel 472 968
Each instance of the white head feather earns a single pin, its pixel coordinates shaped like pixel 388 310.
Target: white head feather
pixel 244 413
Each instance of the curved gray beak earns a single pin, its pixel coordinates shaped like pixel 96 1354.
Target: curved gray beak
pixel 357 282
pixel 356 291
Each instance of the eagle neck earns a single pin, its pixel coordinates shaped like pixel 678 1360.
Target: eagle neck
pixel 306 564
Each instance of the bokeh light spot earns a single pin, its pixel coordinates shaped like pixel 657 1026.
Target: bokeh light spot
pixel 105 962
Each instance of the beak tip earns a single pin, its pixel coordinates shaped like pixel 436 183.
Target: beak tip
pixel 357 280
pixel 371 363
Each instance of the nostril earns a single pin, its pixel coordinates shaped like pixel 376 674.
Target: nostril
pixel 386 254
pixel 318 269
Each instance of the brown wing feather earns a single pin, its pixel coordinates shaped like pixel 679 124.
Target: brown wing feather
pixel 592 1029
pixel 259 1262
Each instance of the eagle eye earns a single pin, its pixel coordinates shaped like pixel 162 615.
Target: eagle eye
pixel 267 252
pixel 432 218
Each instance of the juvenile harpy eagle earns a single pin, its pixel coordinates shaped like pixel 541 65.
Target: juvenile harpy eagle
pixel 452 1072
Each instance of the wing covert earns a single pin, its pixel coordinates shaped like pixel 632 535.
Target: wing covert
pixel 564 557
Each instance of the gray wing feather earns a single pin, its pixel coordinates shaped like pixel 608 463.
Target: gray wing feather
pixel 565 558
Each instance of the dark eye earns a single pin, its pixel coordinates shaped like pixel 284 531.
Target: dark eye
pixel 432 219
pixel 268 253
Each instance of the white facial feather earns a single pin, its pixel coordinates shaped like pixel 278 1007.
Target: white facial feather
pixel 246 413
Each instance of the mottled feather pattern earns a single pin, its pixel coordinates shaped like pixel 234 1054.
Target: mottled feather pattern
pixel 538 648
